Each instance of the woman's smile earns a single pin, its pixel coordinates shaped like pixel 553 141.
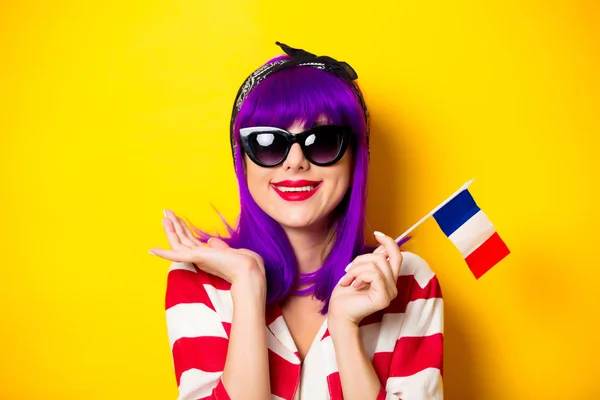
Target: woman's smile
pixel 299 190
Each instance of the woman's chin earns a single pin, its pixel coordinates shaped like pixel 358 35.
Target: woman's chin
pixel 302 221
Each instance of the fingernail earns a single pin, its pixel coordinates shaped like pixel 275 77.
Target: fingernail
pixel 348 267
pixel 341 279
pixel 152 253
pixel 165 213
pixel 379 234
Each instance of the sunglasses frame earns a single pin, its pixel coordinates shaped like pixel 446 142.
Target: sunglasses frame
pixel 247 134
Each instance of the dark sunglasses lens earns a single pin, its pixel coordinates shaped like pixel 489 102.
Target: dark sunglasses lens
pixel 324 145
pixel 269 147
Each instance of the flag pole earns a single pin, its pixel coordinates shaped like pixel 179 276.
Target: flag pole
pixel 463 187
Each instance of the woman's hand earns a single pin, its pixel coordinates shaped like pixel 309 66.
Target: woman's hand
pixel 215 257
pixel 369 284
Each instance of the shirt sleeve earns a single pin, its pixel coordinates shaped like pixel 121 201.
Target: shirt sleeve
pixel 417 359
pixel 197 333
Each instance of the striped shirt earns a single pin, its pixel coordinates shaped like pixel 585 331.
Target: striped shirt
pixel 404 341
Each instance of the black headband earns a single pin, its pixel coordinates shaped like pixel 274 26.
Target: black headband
pixel 299 58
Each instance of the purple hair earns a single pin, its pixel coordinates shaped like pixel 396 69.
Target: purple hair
pixel 302 94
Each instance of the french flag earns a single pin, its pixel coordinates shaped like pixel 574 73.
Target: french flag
pixel 471 231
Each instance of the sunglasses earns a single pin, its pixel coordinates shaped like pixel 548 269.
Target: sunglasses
pixel 322 145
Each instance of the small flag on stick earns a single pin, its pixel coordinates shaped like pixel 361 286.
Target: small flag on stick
pixel 465 224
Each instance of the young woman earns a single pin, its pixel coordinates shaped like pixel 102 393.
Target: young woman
pixel 293 305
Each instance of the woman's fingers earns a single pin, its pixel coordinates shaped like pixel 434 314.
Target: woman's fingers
pixel 392 250
pixel 173 255
pixel 380 291
pixel 184 235
pixel 172 236
pixel 381 262
pixel 217 243
pixel 179 229
pixel 361 275
pixel 188 234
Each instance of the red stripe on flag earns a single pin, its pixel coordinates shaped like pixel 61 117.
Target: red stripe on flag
pixel 490 253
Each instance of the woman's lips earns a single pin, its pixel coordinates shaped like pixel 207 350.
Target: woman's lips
pixel 296 190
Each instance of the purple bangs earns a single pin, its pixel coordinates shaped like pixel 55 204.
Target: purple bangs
pixel 302 94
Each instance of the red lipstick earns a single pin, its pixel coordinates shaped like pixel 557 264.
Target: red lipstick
pixel 296 190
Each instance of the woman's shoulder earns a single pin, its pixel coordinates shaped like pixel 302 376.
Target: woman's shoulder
pixel 417 280
pixel 418 308
pixel 415 266
pixel 198 311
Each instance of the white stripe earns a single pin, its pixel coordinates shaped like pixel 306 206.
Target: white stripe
pixel 313 381
pixel 282 333
pixel 413 264
pixel 273 397
pixel 423 317
pixel 180 265
pixel 221 301
pixel 195 384
pixel 369 335
pixel 390 329
pixel 473 233
pixel 278 348
pixel 424 385
pixel 329 360
pixel 193 320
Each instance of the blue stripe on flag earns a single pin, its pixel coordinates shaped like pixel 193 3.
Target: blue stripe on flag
pixel 456 212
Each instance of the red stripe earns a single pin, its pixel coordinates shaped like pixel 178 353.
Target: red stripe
pixel 335 386
pixel 206 353
pixel 284 375
pixel 272 312
pixel 414 354
pixel 184 286
pixel 373 318
pixel 218 393
pixel 409 290
pixel 490 253
pixel 431 291
pixel 382 394
pixel 227 327
pixel 381 364
pixel 218 283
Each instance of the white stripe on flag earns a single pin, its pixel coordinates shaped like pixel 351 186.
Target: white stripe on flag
pixel 473 233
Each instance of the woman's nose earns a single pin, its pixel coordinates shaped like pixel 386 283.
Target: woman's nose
pixel 296 159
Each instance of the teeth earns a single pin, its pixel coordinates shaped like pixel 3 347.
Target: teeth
pixel 296 189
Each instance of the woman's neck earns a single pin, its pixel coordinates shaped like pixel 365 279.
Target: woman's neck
pixel 309 246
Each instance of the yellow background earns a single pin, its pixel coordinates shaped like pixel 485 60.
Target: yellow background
pixel 113 111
